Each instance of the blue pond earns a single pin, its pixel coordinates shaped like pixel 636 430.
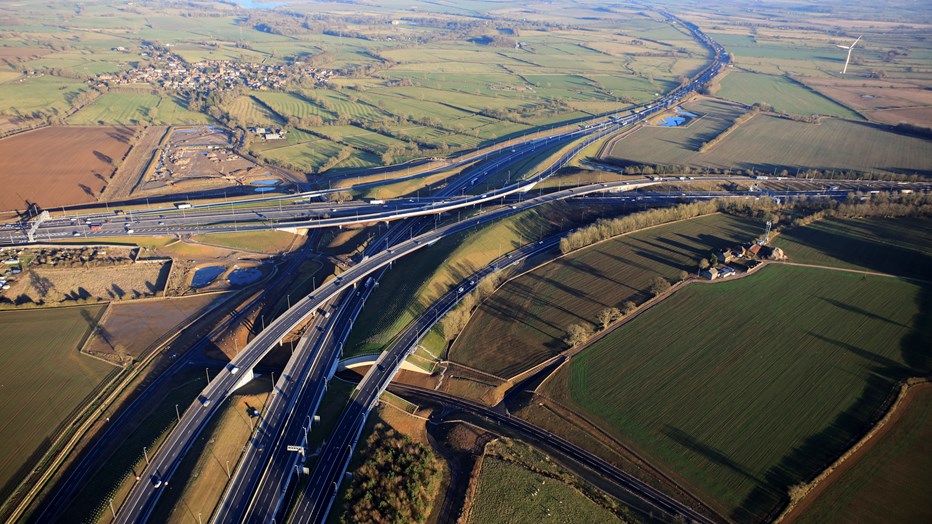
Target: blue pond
pixel 672 121
pixel 266 182
pixel 243 276
pixel 205 275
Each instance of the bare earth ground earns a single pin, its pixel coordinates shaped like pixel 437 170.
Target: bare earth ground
pixel 57 166
pixel 129 328
pixel 884 101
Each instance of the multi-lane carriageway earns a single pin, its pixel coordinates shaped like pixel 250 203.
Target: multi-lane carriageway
pixel 163 463
pixel 144 494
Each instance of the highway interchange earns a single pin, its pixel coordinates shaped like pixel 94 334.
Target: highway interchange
pixel 259 487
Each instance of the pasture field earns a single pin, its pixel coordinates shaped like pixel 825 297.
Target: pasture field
pixel 899 246
pixel 431 271
pixel 38 93
pixel 509 491
pixel 247 112
pixel 883 101
pixel 887 481
pixel 262 241
pixel 744 388
pixel 31 172
pixel 43 380
pixel 129 109
pixel 782 93
pixel 524 322
pixel 768 142
pixel 129 328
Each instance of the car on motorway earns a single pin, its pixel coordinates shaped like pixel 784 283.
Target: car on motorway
pixel 205 401
pixel 156 482
pixel 233 369
pixel 75 233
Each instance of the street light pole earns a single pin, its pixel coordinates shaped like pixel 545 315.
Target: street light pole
pixel 177 413
pixel 145 454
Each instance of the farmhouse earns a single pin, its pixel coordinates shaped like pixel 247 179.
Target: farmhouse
pixel 709 274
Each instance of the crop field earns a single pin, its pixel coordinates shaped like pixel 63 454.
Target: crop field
pixel 43 379
pixel 25 161
pixel 524 322
pixel 898 246
pixel 129 328
pixel 887 482
pixel 769 143
pixel 784 94
pixel 747 387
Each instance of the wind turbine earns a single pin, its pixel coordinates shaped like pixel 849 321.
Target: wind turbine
pixel 849 48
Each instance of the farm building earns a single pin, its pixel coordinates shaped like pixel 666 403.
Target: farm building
pixel 709 274
pixel 772 253
pixel 726 271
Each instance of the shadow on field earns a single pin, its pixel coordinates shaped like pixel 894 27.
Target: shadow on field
pixel 821 449
pixel 860 311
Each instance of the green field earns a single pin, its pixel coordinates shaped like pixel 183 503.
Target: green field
pixel 117 109
pixel 43 93
pixel 262 241
pixel 770 143
pixel 888 483
pixel 747 387
pixel 524 322
pixel 898 246
pixel 784 94
pixel 43 380
pixel 509 492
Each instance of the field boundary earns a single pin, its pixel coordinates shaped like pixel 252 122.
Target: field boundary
pixel 825 478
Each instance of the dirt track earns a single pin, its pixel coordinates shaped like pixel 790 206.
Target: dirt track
pixel 133 168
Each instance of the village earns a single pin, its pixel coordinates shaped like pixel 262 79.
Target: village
pixel 165 69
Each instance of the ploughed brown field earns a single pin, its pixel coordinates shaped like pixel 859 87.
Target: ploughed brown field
pixel 59 166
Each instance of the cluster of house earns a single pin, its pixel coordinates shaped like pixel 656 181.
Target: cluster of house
pixel 170 71
pixel 748 255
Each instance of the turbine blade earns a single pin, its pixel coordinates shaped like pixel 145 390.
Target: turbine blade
pixel 842 46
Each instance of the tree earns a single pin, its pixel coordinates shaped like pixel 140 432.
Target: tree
pixel 704 263
pixel 683 275
pixel 577 335
pixel 659 285
pixel 628 307
pixel 713 260
pixel 607 316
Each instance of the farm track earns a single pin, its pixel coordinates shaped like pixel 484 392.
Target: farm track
pixel 134 167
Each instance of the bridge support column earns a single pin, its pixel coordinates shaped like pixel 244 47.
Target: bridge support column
pixel 246 376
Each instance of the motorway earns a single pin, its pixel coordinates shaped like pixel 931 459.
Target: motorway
pixel 142 498
pixel 317 497
pixel 145 493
